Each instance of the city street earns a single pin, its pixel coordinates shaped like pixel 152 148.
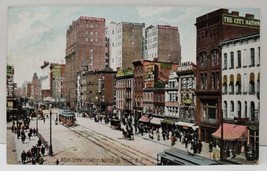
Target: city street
pixel 92 143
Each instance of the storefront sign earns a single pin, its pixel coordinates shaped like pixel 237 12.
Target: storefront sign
pixel 240 21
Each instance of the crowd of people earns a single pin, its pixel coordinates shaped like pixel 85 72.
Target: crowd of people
pixel 186 137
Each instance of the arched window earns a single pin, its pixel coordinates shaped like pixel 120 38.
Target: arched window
pixel 238 84
pixel 202 59
pixel 225 109
pixel 225 84
pixel 239 109
pixel 214 58
pixel 252 83
pixel 232 60
pixel 252 57
pixel 231 84
pixel 252 111
pixel 232 108
pixel 225 61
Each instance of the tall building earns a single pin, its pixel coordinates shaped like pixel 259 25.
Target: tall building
pixel 85 43
pixel 213 28
pixel 36 88
pixel 162 43
pixel 125 44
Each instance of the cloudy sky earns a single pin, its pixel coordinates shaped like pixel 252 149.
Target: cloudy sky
pixel 37 33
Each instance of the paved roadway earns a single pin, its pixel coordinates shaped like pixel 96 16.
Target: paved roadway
pixel 93 143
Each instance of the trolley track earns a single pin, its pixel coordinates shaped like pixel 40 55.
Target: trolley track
pixel 123 152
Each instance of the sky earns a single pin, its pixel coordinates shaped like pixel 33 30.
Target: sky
pixel 38 33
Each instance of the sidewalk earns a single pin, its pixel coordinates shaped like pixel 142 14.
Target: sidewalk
pixel 167 143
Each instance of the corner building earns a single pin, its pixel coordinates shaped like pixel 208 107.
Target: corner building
pixel 85 44
pixel 213 28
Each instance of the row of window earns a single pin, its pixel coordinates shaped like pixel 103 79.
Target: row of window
pixel 248 110
pixel 203 59
pixel 236 59
pixel 215 80
pixel 250 81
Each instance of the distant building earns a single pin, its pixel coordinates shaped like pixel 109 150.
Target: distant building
pixel 85 43
pixel 97 91
pixel 45 81
pixel 57 74
pixel 10 86
pixel 212 29
pixel 162 43
pixel 124 92
pixel 125 44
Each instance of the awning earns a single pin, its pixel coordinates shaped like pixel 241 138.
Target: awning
pixel 144 118
pixel 156 121
pixel 232 132
pixel 186 124
pixel 167 122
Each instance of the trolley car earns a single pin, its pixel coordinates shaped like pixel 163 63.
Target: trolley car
pixel 67 118
pixel 179 157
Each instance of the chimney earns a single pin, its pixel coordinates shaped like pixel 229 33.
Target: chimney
pixel 249 16
pixel 236 13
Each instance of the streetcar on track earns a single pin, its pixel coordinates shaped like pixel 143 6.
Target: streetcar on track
pixel 67 117
pixel 179 157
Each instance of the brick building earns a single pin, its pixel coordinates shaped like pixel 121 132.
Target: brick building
pixel 212 28
pixel 97 90
pixel 85 43
pixel 125 44
pixel 162 43
pixel 124 92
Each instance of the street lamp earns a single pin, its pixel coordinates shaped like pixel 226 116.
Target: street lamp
pixel 50 147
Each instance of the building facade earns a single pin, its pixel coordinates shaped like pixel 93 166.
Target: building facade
pixel 241 78
pixel 97 91
pixel 57 74
pixel 85 43
pixel 125 44
pixel 172 105
pixel 187 87
pixel 124 92
pixel 162 43
pixel 212 28
pixel 10 86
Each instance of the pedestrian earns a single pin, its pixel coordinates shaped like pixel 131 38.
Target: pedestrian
pixel 33 161
pixel 41 161
pixel 18 133
pixel 57 162
pixel 29 135
pixel 43 150
pixel 39 142
pixel 23 157
pixel 210 146
pixel 44 119
pixel 29 155
pixel 199 147
pixel 34 131
pixel 23 138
